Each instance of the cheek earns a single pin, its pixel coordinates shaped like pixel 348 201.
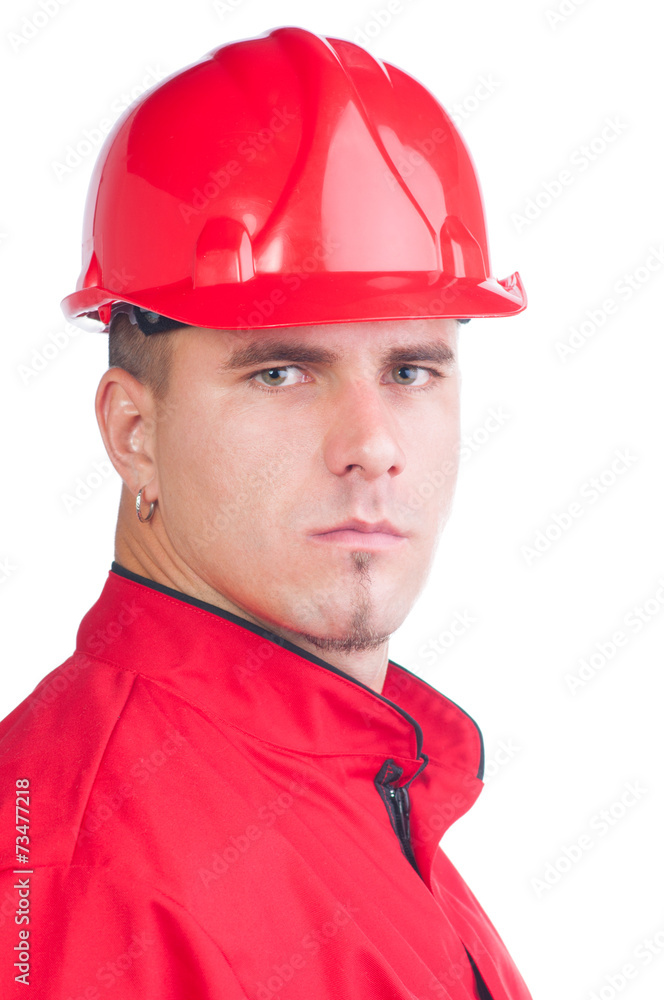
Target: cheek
pixel 196 471
pixel 193 454
pixel 231 471
pixel 433 461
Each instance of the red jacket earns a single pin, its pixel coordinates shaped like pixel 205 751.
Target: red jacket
pixel 205 811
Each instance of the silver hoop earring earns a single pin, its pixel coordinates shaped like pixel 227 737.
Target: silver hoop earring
pixel 143 520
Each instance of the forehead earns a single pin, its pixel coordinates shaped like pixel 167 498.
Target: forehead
pixel 323 343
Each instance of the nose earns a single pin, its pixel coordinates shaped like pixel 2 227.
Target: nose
pixel 362 432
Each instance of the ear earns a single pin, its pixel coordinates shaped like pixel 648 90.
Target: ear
pixel 125 414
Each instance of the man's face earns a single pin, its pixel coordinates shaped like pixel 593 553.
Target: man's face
pixel 270 439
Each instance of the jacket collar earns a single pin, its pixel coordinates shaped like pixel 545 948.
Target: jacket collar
pixel 248 676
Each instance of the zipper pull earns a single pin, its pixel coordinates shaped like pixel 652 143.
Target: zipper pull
pixel 397 803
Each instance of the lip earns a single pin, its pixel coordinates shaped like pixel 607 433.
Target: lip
pixel 369 527
pixel 356 534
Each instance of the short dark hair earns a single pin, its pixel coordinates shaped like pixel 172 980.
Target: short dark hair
pixel 148 359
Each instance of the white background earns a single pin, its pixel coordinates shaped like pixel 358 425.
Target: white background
pixel 556 83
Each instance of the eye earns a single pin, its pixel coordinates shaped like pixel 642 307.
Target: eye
pixel 275 377
pixel 408 375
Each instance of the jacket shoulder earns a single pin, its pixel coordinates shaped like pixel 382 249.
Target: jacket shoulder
pixel 55 740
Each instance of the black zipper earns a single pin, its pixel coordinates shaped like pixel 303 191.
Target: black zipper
pixel 397 803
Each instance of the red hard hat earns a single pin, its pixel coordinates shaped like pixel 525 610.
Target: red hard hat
pixel 284 180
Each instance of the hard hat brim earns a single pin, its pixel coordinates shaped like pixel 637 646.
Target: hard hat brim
pixel 305 298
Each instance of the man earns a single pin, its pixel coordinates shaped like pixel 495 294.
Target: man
pixel 229 790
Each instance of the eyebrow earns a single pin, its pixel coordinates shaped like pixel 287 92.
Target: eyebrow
pixel 297 352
